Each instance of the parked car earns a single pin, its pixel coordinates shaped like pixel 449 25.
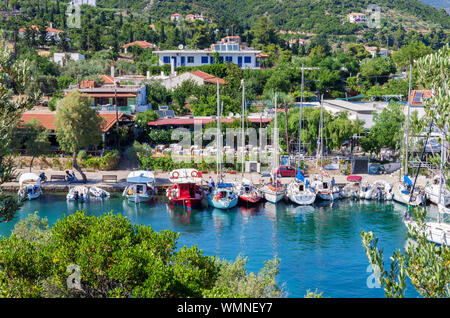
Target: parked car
pixel 287 171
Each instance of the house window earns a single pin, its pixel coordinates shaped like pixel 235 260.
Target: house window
pixel 220 59
pixel 190 59
pixel 229 59
pixel 166 59
pixel 204 60
pixel 247 59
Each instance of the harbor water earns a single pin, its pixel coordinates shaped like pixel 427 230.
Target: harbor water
pixel 319 246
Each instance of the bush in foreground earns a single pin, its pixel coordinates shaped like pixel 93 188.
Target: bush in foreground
pixel 88 256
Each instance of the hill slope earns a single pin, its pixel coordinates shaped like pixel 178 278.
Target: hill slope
pixel 307 15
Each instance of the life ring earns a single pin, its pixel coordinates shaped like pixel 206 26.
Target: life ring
pixel 194 174
pixel 175 175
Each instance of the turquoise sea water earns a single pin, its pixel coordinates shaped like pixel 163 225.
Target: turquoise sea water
pixel 319 246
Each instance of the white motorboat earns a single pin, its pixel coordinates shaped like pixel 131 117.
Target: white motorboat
pixel 300 191
pixel 352 189
pixel 78 193
pixel 29 186
pixel 378 190
pixel 433 189
pixel 141 186
pixel 97 192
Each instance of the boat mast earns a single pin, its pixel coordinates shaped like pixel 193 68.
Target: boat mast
pixel 218 133
pixel 275 141
pixel 441 176
pixel 407 122
pixel 300 116
pixel 320 151
pixel 243 134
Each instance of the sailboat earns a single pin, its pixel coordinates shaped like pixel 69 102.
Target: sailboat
pixel 300 191
pixel 407 194
pixel 223 195
pixel 274 191
pixel 247 191
pixel 325 187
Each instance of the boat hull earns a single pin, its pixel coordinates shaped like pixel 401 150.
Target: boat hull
pixel 302 199
pixel 138 198
pixel 223 204
pixel 274 197
pixel 249 199
pixel 328 196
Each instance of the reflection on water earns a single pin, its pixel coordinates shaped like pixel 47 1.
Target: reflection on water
pixel 319 245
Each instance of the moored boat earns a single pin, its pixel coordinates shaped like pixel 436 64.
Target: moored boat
pixel 300 191
pixel 223 196
pixel 78 193
pixel 402 193
pixel 352 189
pixel 325 188
pixel 97 192
pixel 141 186
pixel 29 186
pixel 185 191
pixel 434 189
pixel 248 193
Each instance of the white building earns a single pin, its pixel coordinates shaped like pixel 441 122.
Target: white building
pixel 373 50
pixel 230 50
pixel 59 57
pixel 356 17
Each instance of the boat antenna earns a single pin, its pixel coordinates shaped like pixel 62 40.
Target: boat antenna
pixel 243 128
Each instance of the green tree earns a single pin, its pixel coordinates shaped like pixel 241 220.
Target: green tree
pixel 387 129
pixel 408 54
pixel 78 126
pixel 14 78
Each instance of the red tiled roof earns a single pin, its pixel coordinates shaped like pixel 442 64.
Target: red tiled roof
pixel 48 119
pixel 107 79
pixel 142 44
pixel 203 121
pixel 414 99
pixel 35 27
pixel 208 77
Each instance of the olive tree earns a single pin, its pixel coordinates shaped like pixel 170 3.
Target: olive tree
pixel 78 126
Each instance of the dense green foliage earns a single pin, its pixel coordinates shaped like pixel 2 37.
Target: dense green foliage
pixel 14 78
pixel 387 130
pixel 107 256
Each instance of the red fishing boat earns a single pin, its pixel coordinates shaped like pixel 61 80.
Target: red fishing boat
pixel 185 191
